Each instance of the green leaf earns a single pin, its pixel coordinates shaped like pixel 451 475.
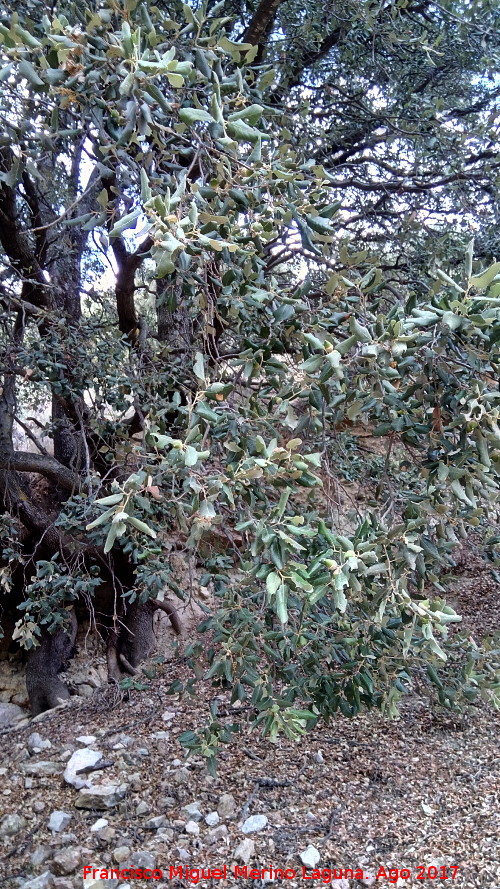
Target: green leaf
pixel 480 282
pixel 192 115
pixel 175 80
pixel 141 526
pixel 190 456
pixel 199 368
pixel 281 603
pixel 273 581
pixel 124 223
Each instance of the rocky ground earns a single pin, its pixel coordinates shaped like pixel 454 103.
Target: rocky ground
pixel 369 793
pixel 103 783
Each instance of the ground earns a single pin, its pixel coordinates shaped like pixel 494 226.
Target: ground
pixel 419 792
pixel 416 797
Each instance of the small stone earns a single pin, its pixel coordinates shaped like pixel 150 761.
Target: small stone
pixel 99 824
pixel 86 740
pixel 183 854
pixel 121 742
pixel 192 812
pixel 28 783
pixel 42 769
pixel 369 878
pixel 107 834
pixel 319 758
pixel 142 751
pixel 155 823
pixel 58 821
pixel 192 827
pixel 226 807
pixel 216 834
pixel 81 759
pixel 63 883
pixel 44 881
pixel 142 808
pixel 11 824
pixel 212 819
pixel 310 857
pixel 10 714
pixel 310 816
pixel 181 776
pixel 143 859
pixel 120 854
pixel 36 743
pixel 106 796
pixel 161 736
pixel 254 823
pixel 168 715
pixel 66 861
pixel 40 855
pixel 39 806
pixel 244 851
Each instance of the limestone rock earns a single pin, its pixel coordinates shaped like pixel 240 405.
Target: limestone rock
pixel 310 857
pixel 11 824
pixel 67 861
pixel 36 743
pixel 43 768
pixel 58 821
pixel 143 859
pixel 244 851
pixel 120 854
pixel 227 806
pixel 81 759
pixel 10 714
pixel 105 796
pixel 44 881
pixel 192 812
pixel 254 823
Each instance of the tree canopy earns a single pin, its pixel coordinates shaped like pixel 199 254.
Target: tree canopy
pixel 229 233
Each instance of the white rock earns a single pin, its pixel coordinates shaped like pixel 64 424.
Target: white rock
pixel 81 759
pixel 58 821
pixel 37 743
pixel 99 824
pixel 192 827
pixel 86 740
pixel 105 796
pixel 168 715
pixel 310 857
pixel 212 819
pixel 244 851
pixel 192 812
pixel 254 823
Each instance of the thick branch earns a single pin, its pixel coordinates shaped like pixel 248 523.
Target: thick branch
pixel 261 25
pixel 127 263
pixel 24 461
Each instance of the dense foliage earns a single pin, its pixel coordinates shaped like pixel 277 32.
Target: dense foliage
pixel 299 206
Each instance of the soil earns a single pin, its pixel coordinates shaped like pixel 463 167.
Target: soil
pixel 421 793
